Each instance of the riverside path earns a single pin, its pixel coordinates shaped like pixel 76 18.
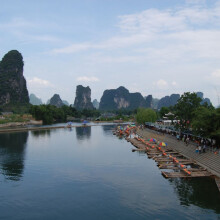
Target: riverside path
pixel 208 160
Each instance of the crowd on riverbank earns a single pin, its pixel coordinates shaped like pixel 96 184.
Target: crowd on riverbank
pixel 202 144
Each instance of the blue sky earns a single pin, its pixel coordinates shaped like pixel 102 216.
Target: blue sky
pixel 155 47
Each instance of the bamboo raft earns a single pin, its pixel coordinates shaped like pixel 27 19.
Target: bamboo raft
pixel 170 160
pixel 217 180
pixel 181 174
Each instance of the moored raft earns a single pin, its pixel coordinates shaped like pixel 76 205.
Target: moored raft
pixel 217 180
pixel 185 175
pixel 169 159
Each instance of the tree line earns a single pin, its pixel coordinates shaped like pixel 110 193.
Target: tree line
pixel 190 116
pixel 50 114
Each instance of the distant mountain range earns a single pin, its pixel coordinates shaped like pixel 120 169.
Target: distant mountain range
pixel 55 100
pixel 171 100
pixel 95 104
pixel 65 102
pixel 114 99
pixel 34 100
pixel 168 101
pixel 121 98
pixel 13 91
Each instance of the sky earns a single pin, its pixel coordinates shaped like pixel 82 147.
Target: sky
pixel 155 47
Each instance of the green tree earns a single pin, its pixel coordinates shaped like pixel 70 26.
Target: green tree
pixel 50 114
pixel 163 111
pixel 42 112
pixel 206 122
pixel 185 107
pixel 146 115
pixel 203 122
pixel 216 129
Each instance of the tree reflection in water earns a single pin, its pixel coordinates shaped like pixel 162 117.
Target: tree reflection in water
pixel 198 191
pixel 108 129
pixel 39 133
pixel 12 154
pixel 83 132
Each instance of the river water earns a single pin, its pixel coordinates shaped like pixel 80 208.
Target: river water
pixel 87 173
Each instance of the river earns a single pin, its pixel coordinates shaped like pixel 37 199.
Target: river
pixel 87 173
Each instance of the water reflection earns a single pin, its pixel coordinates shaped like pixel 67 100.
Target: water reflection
pixel 39 133
pixel 108 129
pixel 12 154
pixel 195 192
pixel 83 132
pixel 106 179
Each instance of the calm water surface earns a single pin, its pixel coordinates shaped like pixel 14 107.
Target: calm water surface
pixel 87 173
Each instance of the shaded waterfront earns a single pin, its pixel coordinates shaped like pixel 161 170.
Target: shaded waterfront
pixel 12 154
pixel 90 174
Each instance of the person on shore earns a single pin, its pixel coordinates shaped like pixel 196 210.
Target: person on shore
pixel 184 138
pixel 197 149
pixel 200 149
pixel 202 141
pixel 204 148
pixel 177 137
pixel 187 141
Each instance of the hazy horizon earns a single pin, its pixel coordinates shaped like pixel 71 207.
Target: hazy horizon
pixel 156 47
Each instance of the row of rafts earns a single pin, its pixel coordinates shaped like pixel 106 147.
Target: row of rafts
pixel 166 158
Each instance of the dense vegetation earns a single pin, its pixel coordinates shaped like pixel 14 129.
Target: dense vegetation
pixel 15 118
pixel 185 109
pixel 50 114
pixel 192 114
pixel 206 122
pixel 146 115
pixel 11 61
pixel 16 108
pixel 195 116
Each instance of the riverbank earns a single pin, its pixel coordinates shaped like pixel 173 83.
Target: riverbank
pixel 22 129
pixel 208 160
pixel 20 124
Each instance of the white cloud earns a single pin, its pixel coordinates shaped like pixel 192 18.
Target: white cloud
pixel 177 43
pixel 112 43
pixel 216 74
pixel 174 83
pixel 163 34
pixel 151 20
pixel 37 82
pixel 87 79
pixel 161 84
